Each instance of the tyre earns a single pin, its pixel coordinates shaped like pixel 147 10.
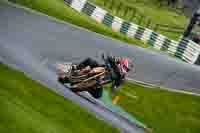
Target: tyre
pixel 63 80
pixel 96 92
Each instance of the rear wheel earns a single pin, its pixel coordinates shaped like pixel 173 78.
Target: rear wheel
pixel 97 92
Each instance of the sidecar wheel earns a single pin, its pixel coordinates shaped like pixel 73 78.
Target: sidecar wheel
pixel 63 80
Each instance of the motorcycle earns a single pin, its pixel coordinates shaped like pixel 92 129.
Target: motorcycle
pixel 90 80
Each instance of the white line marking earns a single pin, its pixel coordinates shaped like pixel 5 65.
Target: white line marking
pixel 130 95
pixel 162 87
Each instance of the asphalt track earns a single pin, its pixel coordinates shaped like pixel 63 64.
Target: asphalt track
pixel 34 43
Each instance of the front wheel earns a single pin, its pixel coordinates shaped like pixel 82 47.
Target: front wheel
pixel 97 92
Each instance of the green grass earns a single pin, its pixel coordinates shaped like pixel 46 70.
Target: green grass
pixel 59 10
pixel 28 107
pixel 151 9
pixel 161 110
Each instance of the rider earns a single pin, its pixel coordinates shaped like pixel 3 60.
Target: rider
pixel 120 69
pixel 120 72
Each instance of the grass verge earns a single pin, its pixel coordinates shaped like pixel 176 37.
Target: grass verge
pixel 59 10
pixel 150 9
pixel 161 110
pixel 28 107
